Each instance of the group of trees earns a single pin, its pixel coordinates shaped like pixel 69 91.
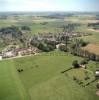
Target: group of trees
pixel 97 85
pixel 13 34
pixel 27 28
pixel 44 45
pixel 94 25
pixel 48 42
pixel 70 27
pixel 13 30
pixel 48 45
pixel 85 53
pixel 73 46
pixel 76 64
pixel 77 43
pixel 75 49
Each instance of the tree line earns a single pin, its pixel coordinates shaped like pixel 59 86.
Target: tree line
pixel 94 25
pixel 85 53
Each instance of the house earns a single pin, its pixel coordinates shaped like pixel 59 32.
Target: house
pixel 59 45
pixel 83 66
pixel 8 54
pixel 26 51
pixel 0 57
pixel 97 73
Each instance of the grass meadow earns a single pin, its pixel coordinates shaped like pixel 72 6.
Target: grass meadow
pixel 41 79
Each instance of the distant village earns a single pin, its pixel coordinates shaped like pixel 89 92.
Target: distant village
pixel 14 50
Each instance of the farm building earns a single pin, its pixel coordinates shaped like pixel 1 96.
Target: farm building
pixel 0 57
pixel 97 73
pixel 8 54
pixel 26 51
pixel 83 66
pixel 59 45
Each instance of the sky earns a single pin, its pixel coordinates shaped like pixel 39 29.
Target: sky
pixel 49 5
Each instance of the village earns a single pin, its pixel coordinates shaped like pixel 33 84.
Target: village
pixel 12 51
pixel 18 52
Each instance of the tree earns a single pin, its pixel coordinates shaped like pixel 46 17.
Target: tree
pixel 62 48
pixel 82 43
pixel 97 85
pixel 97 57
pixel 92 56
pixel 84 61
pixel 25 28
pixel 75 64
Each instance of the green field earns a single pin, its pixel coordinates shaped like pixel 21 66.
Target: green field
pixel 35 24
pixel 94 38
pixel 11 87
pixel 42 79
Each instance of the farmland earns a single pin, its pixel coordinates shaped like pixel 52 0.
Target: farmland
pixel 92 48
pixel 41 79
pixel 93 42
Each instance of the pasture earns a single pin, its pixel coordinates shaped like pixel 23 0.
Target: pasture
pixel 93 40
pixel 11 87
pixel 41 79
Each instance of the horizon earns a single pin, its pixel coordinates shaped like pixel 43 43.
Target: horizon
pixel 49 6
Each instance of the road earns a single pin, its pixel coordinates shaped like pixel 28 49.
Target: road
pixel 21 56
